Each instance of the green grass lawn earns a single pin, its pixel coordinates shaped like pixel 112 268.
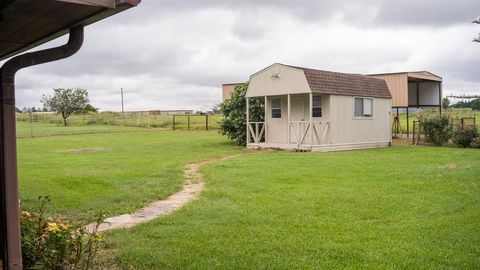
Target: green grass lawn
pixel 400 207
pixel 114 172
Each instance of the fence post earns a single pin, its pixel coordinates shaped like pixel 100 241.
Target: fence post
pixel 31 125
pixel 206 122
pixel 188 122
pixel 408 124
pixel 413 141
pixel 174 122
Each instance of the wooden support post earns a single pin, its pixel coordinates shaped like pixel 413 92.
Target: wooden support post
pixel 265 118
pixel 440 97
pixel 174 122
pixel 311 119
pixel 188 122
pixel 289 102
pixel 9 201
pixel 248 120
pixel 206 122
pixel 408 124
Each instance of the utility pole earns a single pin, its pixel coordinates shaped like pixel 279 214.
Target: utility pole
pixel 121 92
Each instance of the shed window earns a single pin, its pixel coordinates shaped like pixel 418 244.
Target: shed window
pixel 317 106
pixel 363 107
pixel 276 108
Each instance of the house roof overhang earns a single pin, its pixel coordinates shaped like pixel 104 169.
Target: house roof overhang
pixel 25 24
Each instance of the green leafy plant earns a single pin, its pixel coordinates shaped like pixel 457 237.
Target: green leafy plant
pixel 234 121
pixel 475 142
pixel 464 136
pixel 445 103
pixel 437 129
pixel 53 244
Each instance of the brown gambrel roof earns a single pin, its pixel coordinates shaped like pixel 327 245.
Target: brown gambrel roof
pixel 335 83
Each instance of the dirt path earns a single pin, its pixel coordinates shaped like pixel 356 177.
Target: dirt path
pixel 194 184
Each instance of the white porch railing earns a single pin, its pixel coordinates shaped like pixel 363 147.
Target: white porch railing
pixel 301 129
pixel 257 130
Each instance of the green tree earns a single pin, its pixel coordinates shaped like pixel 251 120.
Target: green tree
pixel 234 121
pixel 445 103
pixel 475 104
pixel 90 108
pixel 66 101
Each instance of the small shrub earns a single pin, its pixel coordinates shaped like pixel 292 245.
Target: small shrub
pixel 53 244
pixel 437 129
pixel 475 142
pixel 464 137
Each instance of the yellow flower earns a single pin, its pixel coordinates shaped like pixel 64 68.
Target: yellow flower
pixel 52 227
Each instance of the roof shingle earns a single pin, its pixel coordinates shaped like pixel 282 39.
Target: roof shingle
pixel 335 83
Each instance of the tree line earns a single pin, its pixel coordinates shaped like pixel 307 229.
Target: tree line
pixel 473 104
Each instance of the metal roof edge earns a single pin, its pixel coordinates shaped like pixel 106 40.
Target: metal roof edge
pixel 122 5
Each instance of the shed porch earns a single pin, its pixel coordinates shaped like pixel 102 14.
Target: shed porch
pixel 297 122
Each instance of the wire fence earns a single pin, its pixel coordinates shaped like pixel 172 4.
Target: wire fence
pixel 456 113
pixel 49 124
pixel 419 136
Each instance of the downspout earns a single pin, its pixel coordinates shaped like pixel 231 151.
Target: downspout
pixel 10 210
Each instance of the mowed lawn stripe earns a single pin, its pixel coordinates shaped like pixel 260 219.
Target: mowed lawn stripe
pixel 117 173
pixel 400 207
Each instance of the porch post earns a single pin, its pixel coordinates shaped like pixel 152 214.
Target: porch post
pixel 310 109
pixel 288 119
pixel 248 121
pixel 265 120
pixel 440 97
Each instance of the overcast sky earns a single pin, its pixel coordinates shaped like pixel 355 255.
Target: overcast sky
pixel 176 54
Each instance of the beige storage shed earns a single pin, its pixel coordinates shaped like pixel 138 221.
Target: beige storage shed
pixel 314 110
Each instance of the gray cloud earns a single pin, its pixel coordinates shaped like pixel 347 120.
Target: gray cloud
pixel 427 12
pixel 177 53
